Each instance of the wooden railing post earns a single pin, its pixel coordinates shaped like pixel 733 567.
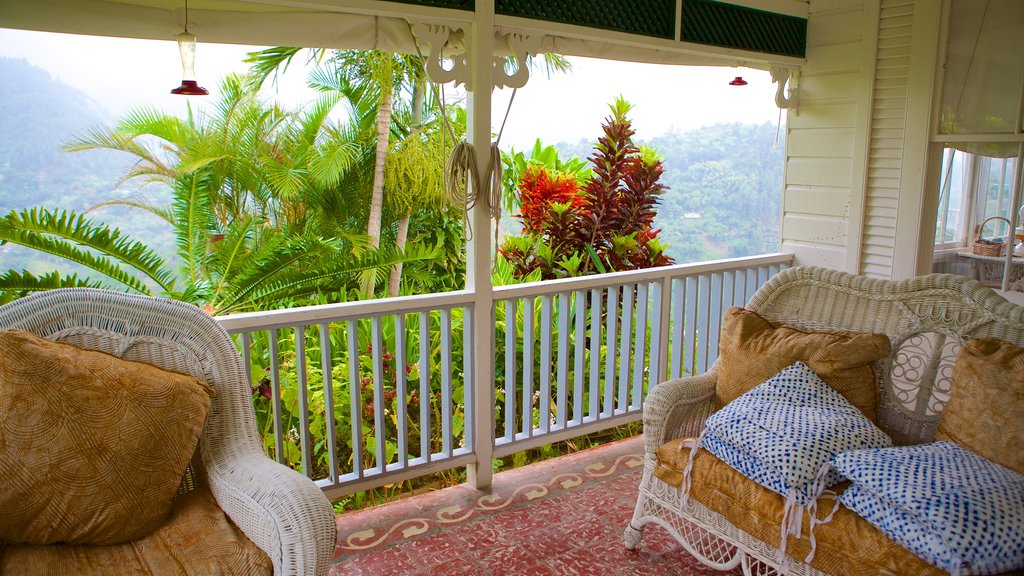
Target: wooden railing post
pixel 478 252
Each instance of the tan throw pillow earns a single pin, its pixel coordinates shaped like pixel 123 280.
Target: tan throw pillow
pixel 986 402
pixel 751 350
pixel 92 447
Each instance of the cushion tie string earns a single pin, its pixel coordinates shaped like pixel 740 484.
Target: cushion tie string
pixel 694 444
pixel 819 485
pixel 792 520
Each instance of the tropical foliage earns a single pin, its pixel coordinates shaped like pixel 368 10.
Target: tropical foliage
pixel 261 206
pixel 577 222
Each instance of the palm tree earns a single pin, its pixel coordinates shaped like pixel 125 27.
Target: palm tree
pixel 382 74
pixel 242 180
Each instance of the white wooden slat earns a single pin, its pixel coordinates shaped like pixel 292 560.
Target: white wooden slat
pixel 446 382
pixel 690 326
pixel 355 397
pixel 639 346
pixel 595 353
pixel 275 391
pixel 528 309
pixel 611 334
pixel 302 389
pixel 469 416
pixel 510 370
pixel 715 311
pixel 625 347
pixel 425 392
pixel 752 284
pixel 579 339
pixel 247 358
pixel 678 306
pixel 703 322
pixel 401 393
pixel 329 413
pixel 377 361
pixel 544 400
pixel 661 316
pixel 562 397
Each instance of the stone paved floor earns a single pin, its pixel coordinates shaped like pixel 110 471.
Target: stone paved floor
pixel 560 517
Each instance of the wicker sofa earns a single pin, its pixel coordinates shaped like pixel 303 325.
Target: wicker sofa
pixel 283 513
pixel 927 319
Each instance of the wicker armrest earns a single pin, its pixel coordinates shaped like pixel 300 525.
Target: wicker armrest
pixel 677 408
pixel 280 510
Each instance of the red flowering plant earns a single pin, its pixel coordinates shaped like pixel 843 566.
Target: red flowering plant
pixel 601 225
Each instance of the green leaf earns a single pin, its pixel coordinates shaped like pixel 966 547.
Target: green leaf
pixel 54 232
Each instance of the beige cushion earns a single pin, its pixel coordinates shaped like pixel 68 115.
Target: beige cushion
pixel 848 544
pixel 985 412
pixel 751 350
pixel 92 447
pixel 197 539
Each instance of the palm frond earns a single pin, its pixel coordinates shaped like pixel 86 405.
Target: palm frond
pixel 305 282
pixel 269 62
pixel 193 221
pixel 160 211
pixel 54 232
pixel 24 282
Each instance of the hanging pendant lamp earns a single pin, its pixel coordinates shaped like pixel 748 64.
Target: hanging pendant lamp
pixel 187 49
pixel 738 81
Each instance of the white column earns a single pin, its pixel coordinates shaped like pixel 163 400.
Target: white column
pixel 478 251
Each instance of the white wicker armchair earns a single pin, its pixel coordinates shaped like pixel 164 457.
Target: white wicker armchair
pixel 926 319
pixel 281 511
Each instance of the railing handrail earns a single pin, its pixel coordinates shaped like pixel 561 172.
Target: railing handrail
pixel 357 309
pixel 339 312
pixel 545 287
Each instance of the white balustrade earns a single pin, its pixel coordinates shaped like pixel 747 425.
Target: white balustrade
pixel 387 402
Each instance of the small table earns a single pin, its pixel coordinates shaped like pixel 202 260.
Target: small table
pixel 989 269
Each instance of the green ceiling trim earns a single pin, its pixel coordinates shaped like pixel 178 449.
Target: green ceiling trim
pixel 455 4
pixel 648 18
pixel 731 26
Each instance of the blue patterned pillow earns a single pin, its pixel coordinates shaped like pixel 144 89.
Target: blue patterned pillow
pixel 953 508
pixel 782 434
pixel 783 431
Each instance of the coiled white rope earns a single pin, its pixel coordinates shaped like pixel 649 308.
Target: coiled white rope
pixel 463 183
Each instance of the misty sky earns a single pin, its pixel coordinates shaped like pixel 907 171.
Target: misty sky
pixel 122 73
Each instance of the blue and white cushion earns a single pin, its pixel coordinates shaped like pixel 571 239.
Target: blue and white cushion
pixel 953 508
pixel 783 433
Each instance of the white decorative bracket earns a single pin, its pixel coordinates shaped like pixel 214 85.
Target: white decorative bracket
pixel 520 47
pixel 441 44
pixel 786 77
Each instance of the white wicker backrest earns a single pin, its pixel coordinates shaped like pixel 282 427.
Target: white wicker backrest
pixel 168 334
pixel 926 318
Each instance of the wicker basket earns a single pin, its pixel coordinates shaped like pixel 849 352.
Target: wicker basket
pixel 983 247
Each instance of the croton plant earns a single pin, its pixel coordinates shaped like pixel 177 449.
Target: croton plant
pixel 601 223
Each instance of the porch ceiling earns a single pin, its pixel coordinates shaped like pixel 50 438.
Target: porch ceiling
pixel 381 25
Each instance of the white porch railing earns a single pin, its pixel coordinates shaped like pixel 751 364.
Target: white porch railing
pixel 362 394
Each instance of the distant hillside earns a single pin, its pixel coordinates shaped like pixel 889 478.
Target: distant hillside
pixel 725 189
pixel 39 115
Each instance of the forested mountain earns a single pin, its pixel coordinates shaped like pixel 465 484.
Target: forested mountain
pixel 725 190
pixel 41 114
pixel 723 200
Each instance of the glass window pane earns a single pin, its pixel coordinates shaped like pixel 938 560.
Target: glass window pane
pixel 972 228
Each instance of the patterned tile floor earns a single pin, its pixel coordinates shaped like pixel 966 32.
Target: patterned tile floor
pixel 560 517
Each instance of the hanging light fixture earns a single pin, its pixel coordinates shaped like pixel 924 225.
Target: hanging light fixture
pixel 738 81
pixel 187 48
